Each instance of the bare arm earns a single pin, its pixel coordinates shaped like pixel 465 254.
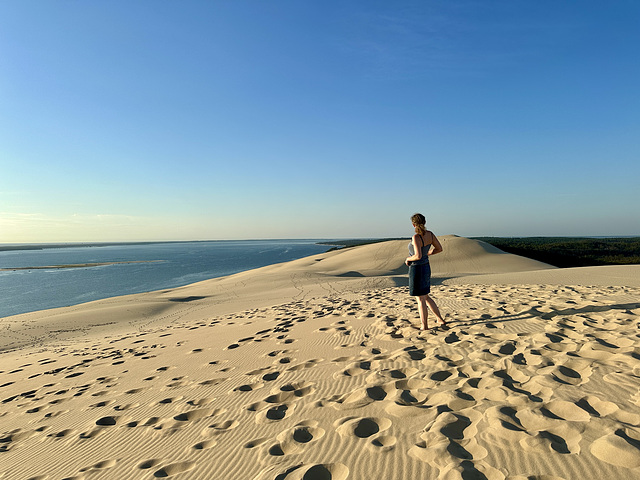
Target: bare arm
pixel 418 254
pixel 436 246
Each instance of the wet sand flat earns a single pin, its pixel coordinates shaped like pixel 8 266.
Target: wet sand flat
pixel 76 265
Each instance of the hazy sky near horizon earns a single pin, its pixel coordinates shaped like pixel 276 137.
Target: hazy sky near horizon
pixel 190 120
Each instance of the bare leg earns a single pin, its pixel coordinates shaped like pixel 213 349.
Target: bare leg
pixel 424 311
pixel 434 308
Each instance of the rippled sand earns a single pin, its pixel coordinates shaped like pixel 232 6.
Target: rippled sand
pixel 316 369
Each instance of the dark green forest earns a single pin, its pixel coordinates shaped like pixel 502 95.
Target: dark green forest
pixel 571 251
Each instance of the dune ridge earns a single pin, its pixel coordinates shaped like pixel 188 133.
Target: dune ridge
pixel 316 369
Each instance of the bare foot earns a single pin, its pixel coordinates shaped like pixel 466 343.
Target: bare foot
pixel 443 325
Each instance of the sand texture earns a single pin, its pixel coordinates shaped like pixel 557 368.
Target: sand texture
pixel 315 369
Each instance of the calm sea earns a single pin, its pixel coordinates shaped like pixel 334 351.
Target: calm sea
pixel 170 265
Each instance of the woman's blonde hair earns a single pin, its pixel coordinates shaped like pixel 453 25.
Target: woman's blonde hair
pixel 419 222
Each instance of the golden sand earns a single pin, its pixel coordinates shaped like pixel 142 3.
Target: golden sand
pixel 316 369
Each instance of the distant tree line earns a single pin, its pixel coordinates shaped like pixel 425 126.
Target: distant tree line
pixel 571 251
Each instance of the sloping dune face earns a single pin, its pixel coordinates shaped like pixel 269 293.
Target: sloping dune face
pixel 464 256
pixel 460 256
pixel 377 265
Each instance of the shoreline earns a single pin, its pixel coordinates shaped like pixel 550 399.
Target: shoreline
pixel 78 265
pixel 17 247
pixel 93 274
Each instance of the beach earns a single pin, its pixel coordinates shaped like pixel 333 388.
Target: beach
pixel 316 369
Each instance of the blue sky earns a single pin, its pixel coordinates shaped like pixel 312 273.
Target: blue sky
pixel 189 120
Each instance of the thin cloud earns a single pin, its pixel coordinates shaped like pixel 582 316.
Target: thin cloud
pixel 460 40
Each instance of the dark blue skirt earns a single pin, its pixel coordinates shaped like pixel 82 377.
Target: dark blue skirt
pixel 419 279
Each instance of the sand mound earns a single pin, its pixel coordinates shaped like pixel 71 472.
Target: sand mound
pixel 347 270
pixel 532 381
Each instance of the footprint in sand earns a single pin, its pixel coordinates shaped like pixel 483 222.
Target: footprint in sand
pixel 556 436
pixel 305 365
pixel 389 374
pixel 450 437
pixel 126 406
pixel 383 443
pixel 268 413
pixel 361 427
pixel 174 469
pixel 178 382
pixel 201 401
pixel 100 466
pixel 296 438
pixel 249 387
pixel 197 414
pixel 455 426
pixel 536 477
pixel 413 384
pixel 63 433
pixel 407 395
pixel 276 353
pixel 596 406
pixel 415 353
pixel 221 427
pixel 452 338
pixel 567 411
pixel 170 399
pixel 278 412
pixel 507 348
pixel 111 421
pixel 11 440
pixel 269 377
pixel 355 369
pixel 622 448
pixel 572 372
pixel 364 396
pixel 503 423
pixel 205 445
pixel 212 382
pixel 257 442
pixel 155 422
pixel 290 391
pixel 258 371
pixel 471 469
pixel 440 376
pixel 319 471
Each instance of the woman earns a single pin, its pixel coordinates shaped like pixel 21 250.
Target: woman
pixel 423 244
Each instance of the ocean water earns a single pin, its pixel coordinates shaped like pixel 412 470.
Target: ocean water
pixel 170 265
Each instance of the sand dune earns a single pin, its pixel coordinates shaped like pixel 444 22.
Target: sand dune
pixel 349 270
pixel 315 369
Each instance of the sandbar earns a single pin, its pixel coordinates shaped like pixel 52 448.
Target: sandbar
pixel 76 265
